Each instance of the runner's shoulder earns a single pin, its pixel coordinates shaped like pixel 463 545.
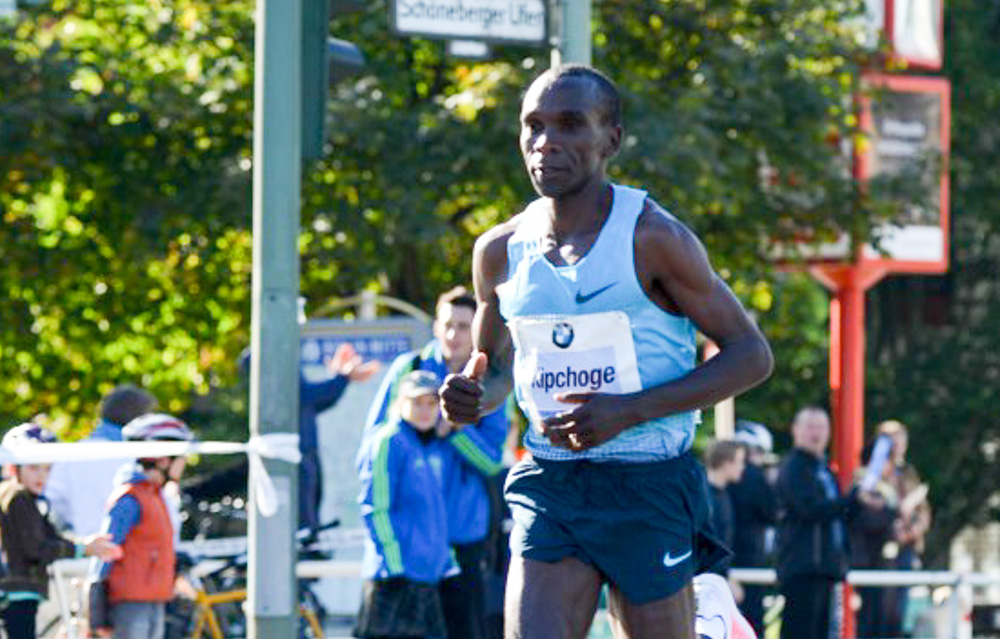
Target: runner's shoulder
pixel 660 233
pixel 661 225
pixel 491 247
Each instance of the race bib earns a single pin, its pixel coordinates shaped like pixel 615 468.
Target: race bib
pixel 571 354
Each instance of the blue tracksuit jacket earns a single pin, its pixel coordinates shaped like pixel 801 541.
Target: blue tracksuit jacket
pixel 403 507
pixel 479 447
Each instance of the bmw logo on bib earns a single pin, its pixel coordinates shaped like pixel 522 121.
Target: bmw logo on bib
pixel 562 335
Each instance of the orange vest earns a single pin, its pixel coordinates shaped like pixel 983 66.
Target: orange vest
pixel 146 570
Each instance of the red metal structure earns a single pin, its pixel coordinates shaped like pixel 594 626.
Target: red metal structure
pixel 904 116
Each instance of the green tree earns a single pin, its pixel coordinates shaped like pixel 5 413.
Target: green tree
pixel 125 192
pixel 934 355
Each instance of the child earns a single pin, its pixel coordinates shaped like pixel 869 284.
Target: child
pixel 402 502
pixel 29 538
pixel 130 595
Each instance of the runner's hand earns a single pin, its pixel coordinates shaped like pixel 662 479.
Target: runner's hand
pixel 462 394
pixel 597 418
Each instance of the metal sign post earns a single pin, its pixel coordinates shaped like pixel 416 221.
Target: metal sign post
pixel 274 375
pixel 574 43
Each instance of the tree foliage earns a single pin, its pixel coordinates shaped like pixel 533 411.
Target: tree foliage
pixel 934 356
pixel 125 175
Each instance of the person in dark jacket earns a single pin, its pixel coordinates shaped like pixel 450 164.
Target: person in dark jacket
pixel 724 464
pixel 812 535
pixel 30 540
pixel 873 540
pixel 755 510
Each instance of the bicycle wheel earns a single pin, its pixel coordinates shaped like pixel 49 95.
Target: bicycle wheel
pixel 310 616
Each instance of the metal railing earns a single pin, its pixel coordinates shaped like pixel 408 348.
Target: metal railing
pixel 65 571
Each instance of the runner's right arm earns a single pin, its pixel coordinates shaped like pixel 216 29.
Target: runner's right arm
pixel 464 398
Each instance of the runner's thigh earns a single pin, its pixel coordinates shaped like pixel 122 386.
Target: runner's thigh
pixel 550 600
pixel 668 618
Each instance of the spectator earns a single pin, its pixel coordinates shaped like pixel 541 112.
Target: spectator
pixel 30 540
pixel 78 491
pixel 402 502
pixel 812 534
pixel 314 398
pixel 479 447
pixel 755 511
pixel 915 513
pixel 872 535
pixel 724 464
pixel 129 595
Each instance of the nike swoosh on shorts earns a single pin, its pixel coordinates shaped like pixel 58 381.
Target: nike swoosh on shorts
pixel 670 562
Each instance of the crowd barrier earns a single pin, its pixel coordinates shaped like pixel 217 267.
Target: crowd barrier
pixel 64 572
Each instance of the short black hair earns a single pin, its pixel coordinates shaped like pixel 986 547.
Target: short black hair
pixel 125 403
pixel 458 296
pixel 610 97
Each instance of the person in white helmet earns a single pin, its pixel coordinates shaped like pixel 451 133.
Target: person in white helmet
pixel 128 597
pixel 755 513
pixel 30 540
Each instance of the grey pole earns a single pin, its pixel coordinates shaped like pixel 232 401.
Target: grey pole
pixel 573 22
pixel 274 361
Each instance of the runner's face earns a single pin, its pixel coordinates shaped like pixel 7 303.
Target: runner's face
pixel 421 411
pixel 453 329
pixel 34 476
pixel 564 139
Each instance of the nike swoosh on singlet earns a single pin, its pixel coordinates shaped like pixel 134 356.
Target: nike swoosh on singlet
pixel 670 562
pixel 583 299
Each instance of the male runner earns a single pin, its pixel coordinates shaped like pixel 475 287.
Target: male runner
pixel 591 297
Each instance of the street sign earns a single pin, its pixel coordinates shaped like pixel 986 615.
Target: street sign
pixel 515 21
pixel 909 120
pixel 914 30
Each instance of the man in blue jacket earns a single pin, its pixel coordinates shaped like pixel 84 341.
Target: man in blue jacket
pixel 479 450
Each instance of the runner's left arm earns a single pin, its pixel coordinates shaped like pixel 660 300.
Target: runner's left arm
pixel 675 273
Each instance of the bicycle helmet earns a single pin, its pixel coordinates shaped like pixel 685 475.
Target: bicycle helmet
pixel 27 433
pixel 157 427
pixel 754 434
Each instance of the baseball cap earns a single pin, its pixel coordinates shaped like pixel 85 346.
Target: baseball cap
pixel 418 383
pixel 754 434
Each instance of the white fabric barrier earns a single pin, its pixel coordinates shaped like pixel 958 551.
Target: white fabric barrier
pixel 280 446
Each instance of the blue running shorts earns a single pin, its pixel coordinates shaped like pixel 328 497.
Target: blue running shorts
pixel 636 524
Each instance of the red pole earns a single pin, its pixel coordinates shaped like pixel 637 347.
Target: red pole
pixel 849 403
pixel 848 284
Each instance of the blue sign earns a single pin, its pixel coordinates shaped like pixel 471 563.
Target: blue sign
pixel 384 348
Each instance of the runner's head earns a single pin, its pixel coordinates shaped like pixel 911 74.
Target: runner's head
pixel 811 430
pixel 570 128
pixel 154 427
pixel 417 400
pixel 453 326
pixel 31 476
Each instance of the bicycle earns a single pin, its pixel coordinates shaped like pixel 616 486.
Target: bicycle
pixel 218 590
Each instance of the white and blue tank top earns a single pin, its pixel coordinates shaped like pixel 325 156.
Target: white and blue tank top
pixel 589 327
